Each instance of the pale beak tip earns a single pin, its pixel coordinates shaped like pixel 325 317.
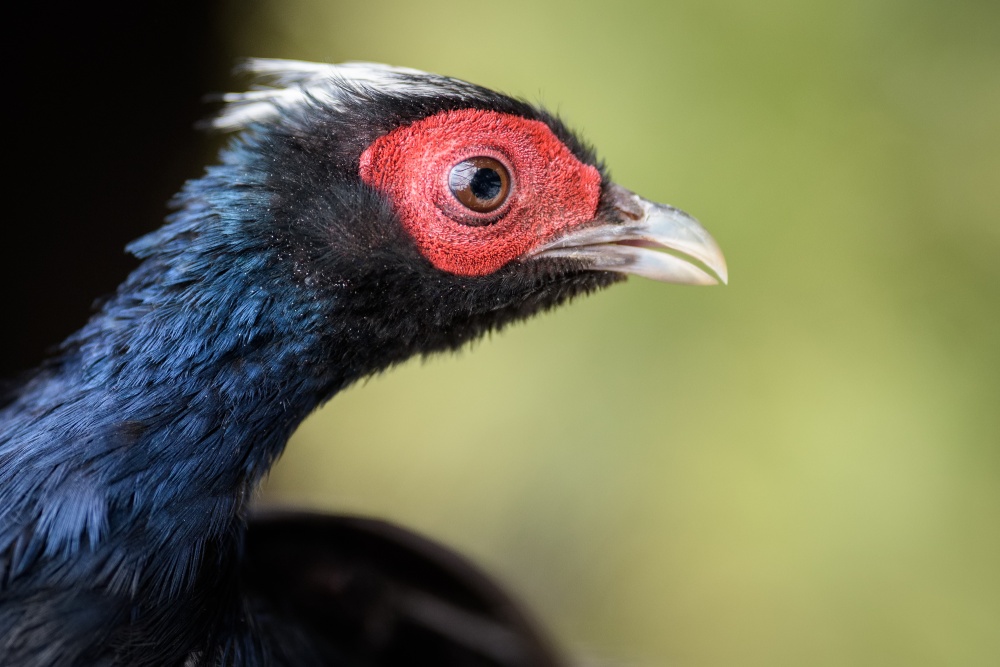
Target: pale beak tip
pixel 722 271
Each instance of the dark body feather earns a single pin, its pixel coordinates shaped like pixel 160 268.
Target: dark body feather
pixel 128 460
pixel 370 593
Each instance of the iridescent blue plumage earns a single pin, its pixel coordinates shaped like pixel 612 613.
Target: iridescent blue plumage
pixel 131 455
pixel 128 461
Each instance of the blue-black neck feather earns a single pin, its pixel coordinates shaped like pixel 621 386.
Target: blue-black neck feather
pixel 158 418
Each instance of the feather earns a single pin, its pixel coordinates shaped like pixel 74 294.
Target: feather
pixel 282 85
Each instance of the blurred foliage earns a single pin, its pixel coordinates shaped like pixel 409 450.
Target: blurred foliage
pixel 801 468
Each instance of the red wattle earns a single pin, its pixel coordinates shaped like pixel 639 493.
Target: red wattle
pixel 551 189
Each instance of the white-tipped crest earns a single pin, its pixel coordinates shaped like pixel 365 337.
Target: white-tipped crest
pixel 285 84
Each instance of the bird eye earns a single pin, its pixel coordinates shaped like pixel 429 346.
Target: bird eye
pixel 480 183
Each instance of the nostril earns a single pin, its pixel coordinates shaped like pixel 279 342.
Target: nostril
pixel 625 202
pixel 630 213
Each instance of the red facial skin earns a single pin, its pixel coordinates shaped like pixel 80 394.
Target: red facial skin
pixel 551 191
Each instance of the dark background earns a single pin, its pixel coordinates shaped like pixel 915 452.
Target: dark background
pixel 99 124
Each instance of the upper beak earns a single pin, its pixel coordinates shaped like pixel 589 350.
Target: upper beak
pixel 641 241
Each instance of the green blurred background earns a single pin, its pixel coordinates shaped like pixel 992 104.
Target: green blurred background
pixel 801 468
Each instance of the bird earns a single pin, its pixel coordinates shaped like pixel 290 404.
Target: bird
pixel 359 214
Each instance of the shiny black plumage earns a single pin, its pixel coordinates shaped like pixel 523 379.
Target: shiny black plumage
pixel 128 461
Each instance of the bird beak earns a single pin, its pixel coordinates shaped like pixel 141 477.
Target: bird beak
pixel 642 237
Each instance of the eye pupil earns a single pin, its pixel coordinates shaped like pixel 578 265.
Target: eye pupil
pixel 485 183
pixel 481 184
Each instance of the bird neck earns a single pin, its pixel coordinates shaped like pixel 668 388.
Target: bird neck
pixel 162 414
pixel 213 379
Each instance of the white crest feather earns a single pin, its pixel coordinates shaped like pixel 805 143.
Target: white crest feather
pixel 284 84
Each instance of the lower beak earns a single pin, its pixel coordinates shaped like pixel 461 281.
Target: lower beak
pixel 646 239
